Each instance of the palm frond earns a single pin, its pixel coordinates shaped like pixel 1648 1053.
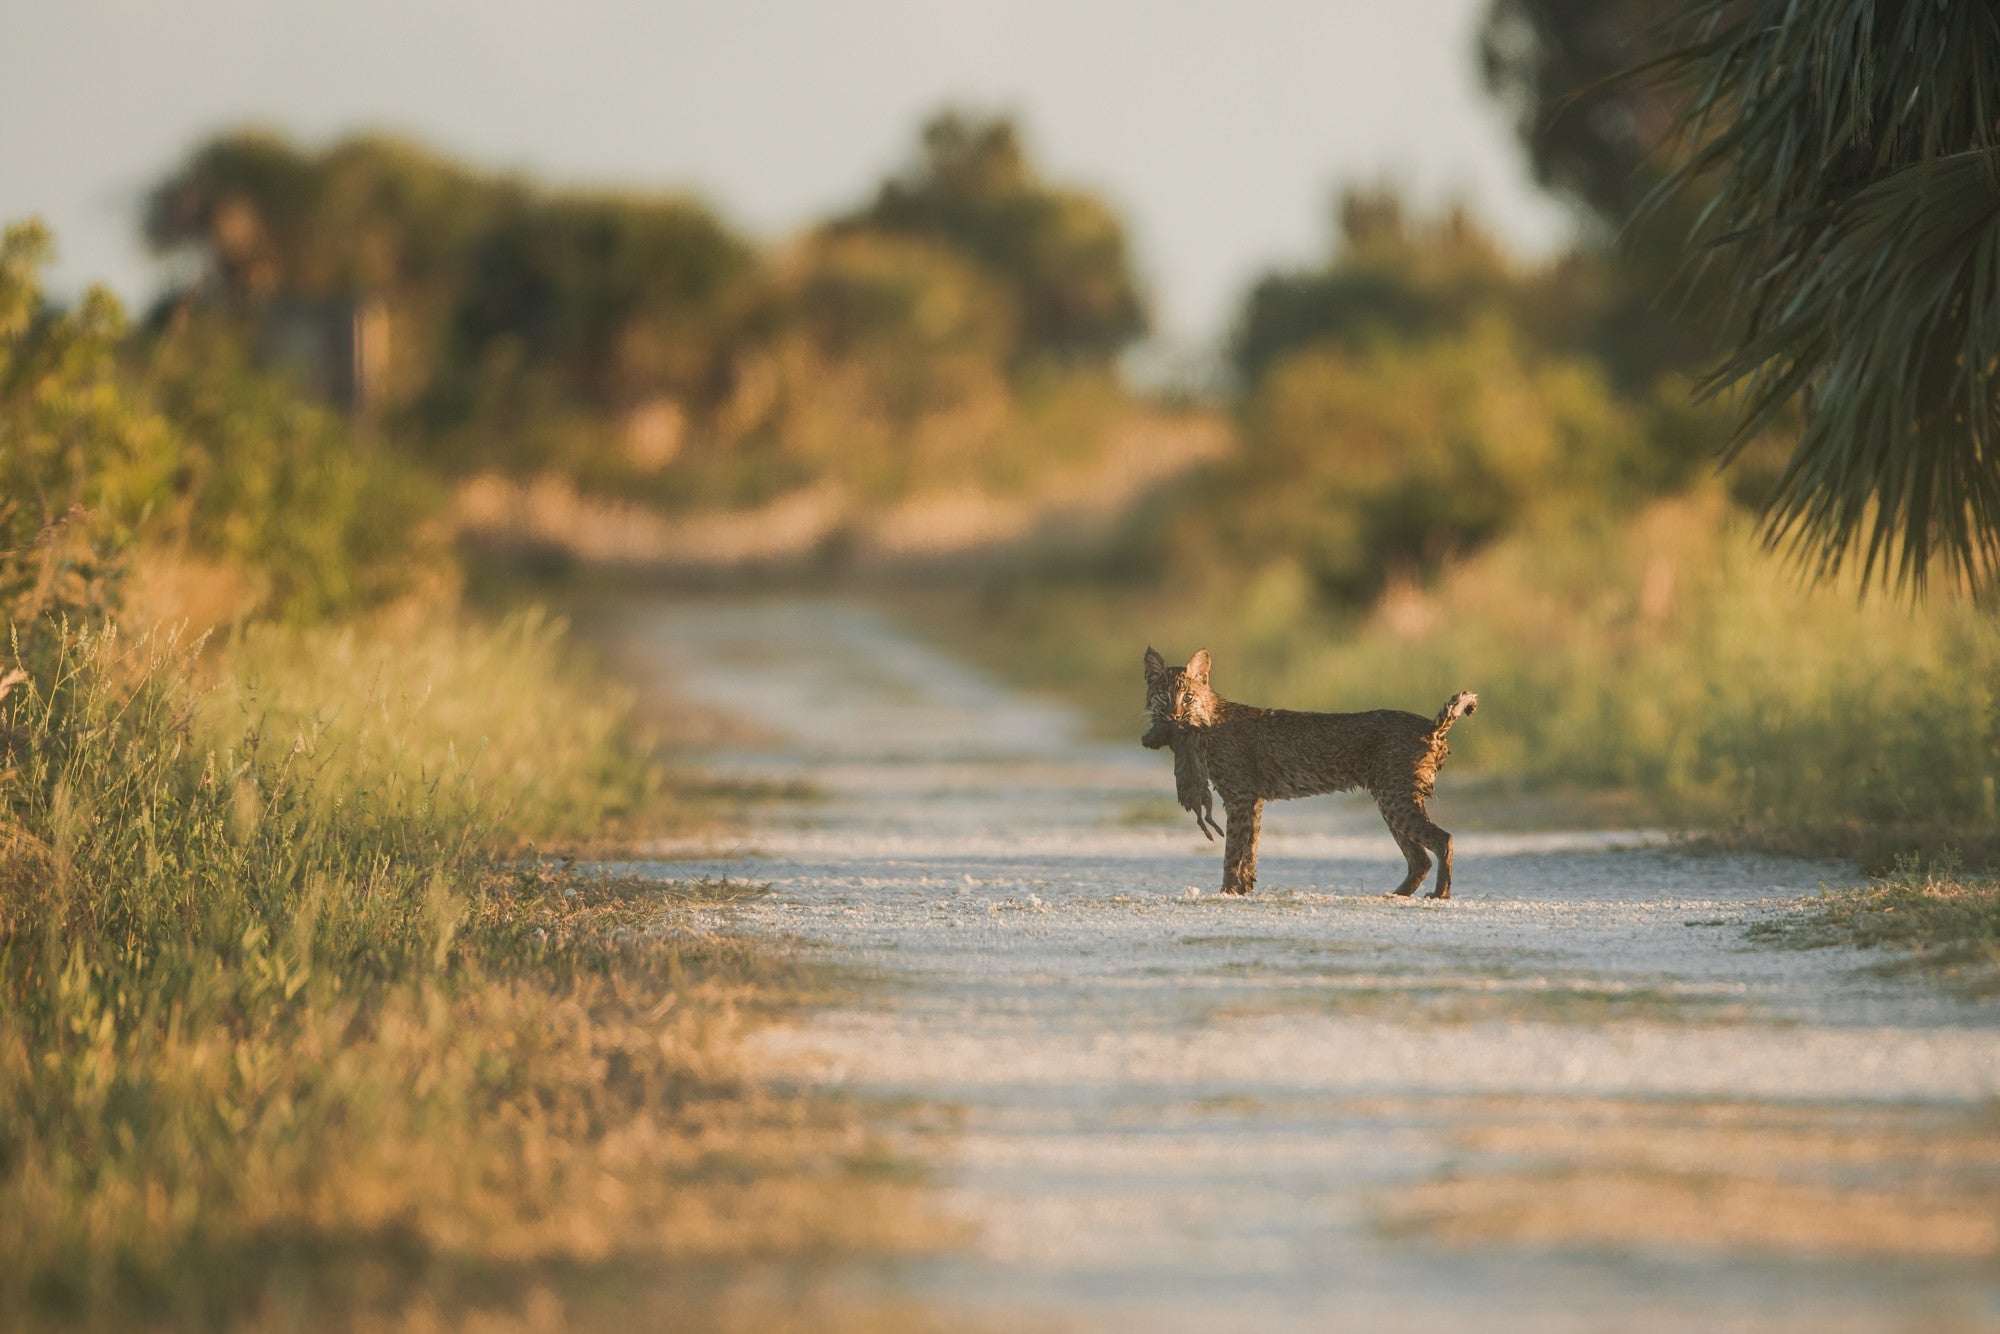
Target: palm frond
pixel 1853 153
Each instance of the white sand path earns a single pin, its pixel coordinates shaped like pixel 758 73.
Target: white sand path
pixel 1171 1110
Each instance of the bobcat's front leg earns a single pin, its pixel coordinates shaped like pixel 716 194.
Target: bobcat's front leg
pixel 1239 846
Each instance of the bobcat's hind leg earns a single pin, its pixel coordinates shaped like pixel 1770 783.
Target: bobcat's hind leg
pixel 1440 843
pixel 1418 837
pixel 1419 860
pixel 1239 846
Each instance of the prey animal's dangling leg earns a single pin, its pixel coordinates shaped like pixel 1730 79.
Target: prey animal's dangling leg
pixel 1191 785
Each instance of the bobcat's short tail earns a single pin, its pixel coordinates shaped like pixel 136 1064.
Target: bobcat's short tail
pixel 1462 703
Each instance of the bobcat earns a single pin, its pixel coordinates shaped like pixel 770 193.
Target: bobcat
pixel 1255 755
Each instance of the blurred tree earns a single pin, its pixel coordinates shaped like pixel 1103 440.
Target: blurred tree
pixel 632 341
pixel 496 300
pixel 1061 254
pixel 343 263
pixel 1389 277
pixel 1420 395
pixel 1591 136
pixel 858 292
pixel 885 359
pixel 245 202
pixel 1604 141
pixel 369 215
pixel 1362 465
pixel 624 297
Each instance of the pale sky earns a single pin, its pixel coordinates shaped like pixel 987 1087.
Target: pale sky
pixel 1219 130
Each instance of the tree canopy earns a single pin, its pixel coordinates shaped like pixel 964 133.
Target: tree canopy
pixel 1591 137
pixel 1061 253
pixel 1389 276
pixel 633 339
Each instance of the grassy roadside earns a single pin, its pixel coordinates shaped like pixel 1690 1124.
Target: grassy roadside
pixel 291 1035
pixel 1662 656
pixel 1926 918
pixel 285 1045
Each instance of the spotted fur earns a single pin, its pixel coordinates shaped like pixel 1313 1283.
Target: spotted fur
pixel 1254 755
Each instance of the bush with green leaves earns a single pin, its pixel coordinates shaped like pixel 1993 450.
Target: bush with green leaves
pixel 1389 459
pixel 110 440
pixel 323 519
pixel 84 461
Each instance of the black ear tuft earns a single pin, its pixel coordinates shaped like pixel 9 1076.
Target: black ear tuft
pixel 1156 666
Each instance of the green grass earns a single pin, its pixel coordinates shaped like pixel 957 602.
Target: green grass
pixel 1662 656
pixel 492 720
pixel 282 1044
pixel 1927 918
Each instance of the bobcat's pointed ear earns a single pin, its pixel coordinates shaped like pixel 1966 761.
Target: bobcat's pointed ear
pixel 1156 666
pixel 1197 668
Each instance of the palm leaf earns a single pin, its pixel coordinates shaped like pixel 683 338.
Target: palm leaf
pixel 1853 153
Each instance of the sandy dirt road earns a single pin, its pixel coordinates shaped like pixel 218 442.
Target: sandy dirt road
pixel 1574 1097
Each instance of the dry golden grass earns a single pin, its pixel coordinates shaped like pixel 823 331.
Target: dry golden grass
pixel 1925 917
pixel 282 1047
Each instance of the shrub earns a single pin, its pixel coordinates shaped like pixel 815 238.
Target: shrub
pixel 82 460
pixel 1360 466
pixel 325 520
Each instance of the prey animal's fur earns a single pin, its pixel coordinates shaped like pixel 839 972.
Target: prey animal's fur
pixel 1253 755
pixel 1190 775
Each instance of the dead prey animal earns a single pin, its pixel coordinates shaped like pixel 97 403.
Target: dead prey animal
pixel 1190 776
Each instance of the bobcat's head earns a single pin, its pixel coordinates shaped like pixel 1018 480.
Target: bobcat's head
pixel 1176 697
